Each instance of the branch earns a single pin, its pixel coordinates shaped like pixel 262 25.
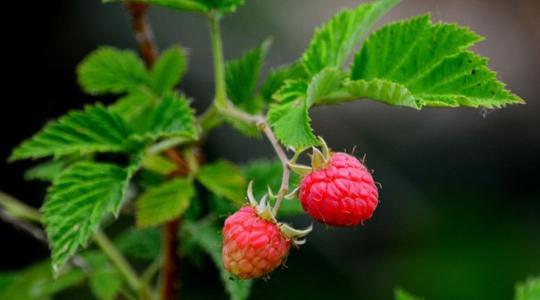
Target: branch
pixel 29 228
pixel 118 260
pixel 148 48
pixel 263 125
pixel 13 211
pixel 143 32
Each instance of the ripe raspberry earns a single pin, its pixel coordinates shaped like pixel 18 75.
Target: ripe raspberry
pixel 340 193
pixel 252 246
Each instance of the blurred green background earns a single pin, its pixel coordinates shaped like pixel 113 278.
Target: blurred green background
pixel 459 216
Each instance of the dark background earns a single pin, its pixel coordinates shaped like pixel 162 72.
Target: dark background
pixel 460 207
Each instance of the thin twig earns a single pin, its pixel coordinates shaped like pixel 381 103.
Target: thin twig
pixel 118 260
pixel 284 187
pixel 261 122
pixel 29 228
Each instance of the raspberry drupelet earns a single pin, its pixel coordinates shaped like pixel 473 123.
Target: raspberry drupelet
pixel 341 193
pixel 252 246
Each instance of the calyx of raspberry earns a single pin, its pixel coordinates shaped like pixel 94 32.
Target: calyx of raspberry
pixel 319 160
pixel 263 208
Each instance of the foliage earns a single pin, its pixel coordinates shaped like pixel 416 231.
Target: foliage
pixel 143 152
pixel 79 199
pixel 528 290
pixel 164 202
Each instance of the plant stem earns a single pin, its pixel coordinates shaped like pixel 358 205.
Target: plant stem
pixel 219 64
pixel 222 105
pixel 118 260
pixel 18 209
pixel 29 228
pixel 284 187
pixel 143 32
pixel 263 125
pixel 169 261
pixel 14 206
pixel 149 52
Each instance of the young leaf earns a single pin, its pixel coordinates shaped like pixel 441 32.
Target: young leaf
pixel 277 77
pixel 48 170
pixel 140 243
pixel 209 238
pixel 172 117
pixel 224 179
pixel 242 75
pixel 37 282
pixel 109 70
pixel 291 89
pixel 79 132
pixel 291 123
pixel 266 174
pixel 404 295
pixel 290 120
pixel 158 164
pixel 416 63
pixel 105 281
pixel 334 41
pixel 528 290
pixel 79 199
pixel 132 105
pixel 164 202
pixel 168 70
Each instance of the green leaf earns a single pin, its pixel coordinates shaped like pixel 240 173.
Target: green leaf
pixel 224 179
pixel 416 63
pixel 79 199
pixel 164 202
pixel 209 238
pixel 171 117
pixel 223 6
pixel 528 290
pixel 265 174
pixel 168 70
pixel 79 132
pixel 334 41
pixel 48 170
pixel 277 77
pixel 105 281
pixel 404 295
pixel 158 164
pixel 290 119
pixel 387 91
pixel 131 106
pixel 241 78
pixel 291 89
pixel 140 243
pixel 198 6
pixel 37 282
pixel 109 70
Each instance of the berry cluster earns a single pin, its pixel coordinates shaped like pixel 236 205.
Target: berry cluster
pixel 337 190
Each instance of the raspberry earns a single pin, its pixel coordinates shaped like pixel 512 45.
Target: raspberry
pixel 340 193
pixel 252 246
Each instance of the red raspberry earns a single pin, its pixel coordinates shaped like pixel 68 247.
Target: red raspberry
pixel 342 193
pixel 252 246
